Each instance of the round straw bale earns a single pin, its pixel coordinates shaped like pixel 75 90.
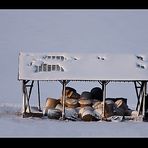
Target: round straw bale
pixel 97 93
pixel 86 114
pixel 51 102
pixel 108 110
pixel 85 102
pixel 86 95
pixel 72 103
pixel 121 104
pixel 54 113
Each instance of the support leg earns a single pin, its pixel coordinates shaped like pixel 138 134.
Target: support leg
pixel 39 104
pixel 63 99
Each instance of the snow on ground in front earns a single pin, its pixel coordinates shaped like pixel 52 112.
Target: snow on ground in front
pixel 13 125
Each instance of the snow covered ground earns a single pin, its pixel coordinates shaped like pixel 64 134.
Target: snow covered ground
pixel 13 125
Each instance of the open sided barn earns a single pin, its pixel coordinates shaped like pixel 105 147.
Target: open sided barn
pixel 102 67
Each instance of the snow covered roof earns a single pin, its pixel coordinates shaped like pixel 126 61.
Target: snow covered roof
pixel 82 66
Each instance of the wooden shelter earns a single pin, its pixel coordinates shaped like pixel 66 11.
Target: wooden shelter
pixel 101 67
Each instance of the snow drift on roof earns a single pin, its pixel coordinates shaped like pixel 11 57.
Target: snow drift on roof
pixel 82 66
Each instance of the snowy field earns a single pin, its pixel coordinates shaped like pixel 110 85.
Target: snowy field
pixel 101 31
pixel 13 125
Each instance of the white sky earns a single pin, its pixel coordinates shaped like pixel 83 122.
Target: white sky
pixel 68 30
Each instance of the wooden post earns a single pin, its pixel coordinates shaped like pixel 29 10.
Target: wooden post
pixel 144 95
pixel 63 99
pixel 24 98
pixel 104 96
pixel 27 99
pixel 31 86
pixel 141 99
pixel 104 83
pixel 136 88
pixel 39 95
pixel 138 92
pixel 64 83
